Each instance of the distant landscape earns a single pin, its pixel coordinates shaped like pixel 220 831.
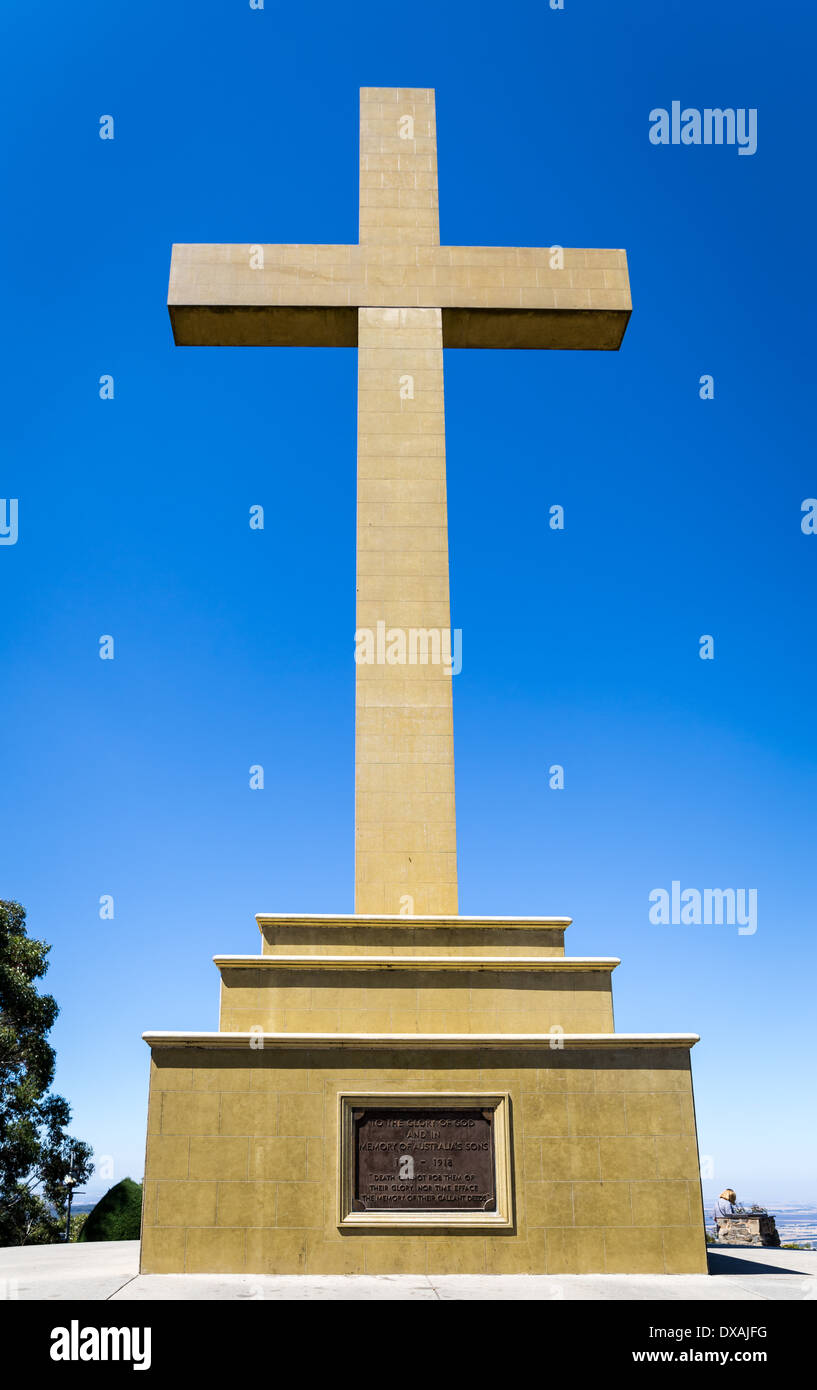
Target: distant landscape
pixel 796 1221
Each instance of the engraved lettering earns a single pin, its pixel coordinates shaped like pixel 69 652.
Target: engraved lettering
pixel 424 1160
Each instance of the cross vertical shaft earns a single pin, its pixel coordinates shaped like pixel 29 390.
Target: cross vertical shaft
pixel 405 826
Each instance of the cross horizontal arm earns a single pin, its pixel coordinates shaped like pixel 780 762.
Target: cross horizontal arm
pixel 308 296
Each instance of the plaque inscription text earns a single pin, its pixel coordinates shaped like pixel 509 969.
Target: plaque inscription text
pixel 424 1160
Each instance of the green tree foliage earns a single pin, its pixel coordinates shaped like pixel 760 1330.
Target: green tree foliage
pixel 77 1223
pixel 117 1215
pixel 36 1154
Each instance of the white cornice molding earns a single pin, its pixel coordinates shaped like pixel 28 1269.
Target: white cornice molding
pixel 405 1041
pixel 341 919
pixel 394 962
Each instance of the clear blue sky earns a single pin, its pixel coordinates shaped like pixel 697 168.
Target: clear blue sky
pixel 234 647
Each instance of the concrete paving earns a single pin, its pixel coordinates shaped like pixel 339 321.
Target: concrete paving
pixel 109 1271
pixel 92 1271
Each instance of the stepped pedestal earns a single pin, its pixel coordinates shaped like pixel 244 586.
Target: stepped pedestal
pixel 420 1095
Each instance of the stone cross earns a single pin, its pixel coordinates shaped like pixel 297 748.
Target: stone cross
pixel 400 298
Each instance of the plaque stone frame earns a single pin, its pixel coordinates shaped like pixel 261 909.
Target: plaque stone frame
pixel 498 1102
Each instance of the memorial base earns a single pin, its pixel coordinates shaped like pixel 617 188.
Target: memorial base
pixel 420 1095
pixel 246 1165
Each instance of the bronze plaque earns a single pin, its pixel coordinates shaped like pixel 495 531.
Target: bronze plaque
pixel 430 1159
